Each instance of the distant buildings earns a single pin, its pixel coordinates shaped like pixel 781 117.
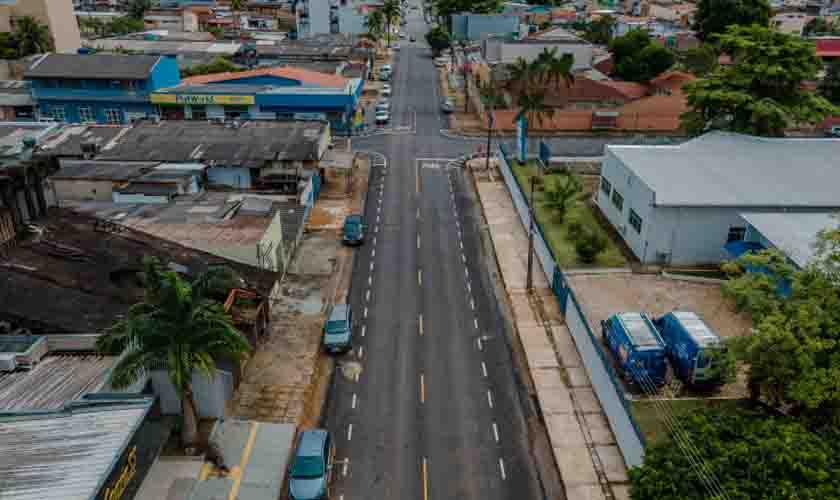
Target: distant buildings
pixel 56 15
pixel 506 50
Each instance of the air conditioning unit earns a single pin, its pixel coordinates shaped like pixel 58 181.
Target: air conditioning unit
pixel 8 362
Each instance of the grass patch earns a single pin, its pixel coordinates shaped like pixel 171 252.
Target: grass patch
pixel 557 233
pixel 647 413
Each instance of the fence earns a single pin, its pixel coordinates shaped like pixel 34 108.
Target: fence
pixel 604 380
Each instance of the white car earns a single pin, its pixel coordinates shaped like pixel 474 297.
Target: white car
pixel 386 92
pixel 395 46
pixel 402 36
pixel 382 117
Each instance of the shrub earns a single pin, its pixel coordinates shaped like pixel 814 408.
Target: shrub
pixel 588 245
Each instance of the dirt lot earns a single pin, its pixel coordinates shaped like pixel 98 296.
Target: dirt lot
pixel 601 295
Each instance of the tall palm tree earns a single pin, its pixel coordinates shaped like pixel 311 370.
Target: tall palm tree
pixel 391 11
pixel 31 36
pixel 177 327
pixel 532 109
pixel 519 74
pixel 375 21
pixel 559 71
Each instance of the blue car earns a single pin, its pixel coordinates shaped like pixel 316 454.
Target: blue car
pixel 338 331
pixel 310 475
pixel 354 230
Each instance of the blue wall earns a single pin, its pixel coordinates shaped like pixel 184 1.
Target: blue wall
pixel 71 109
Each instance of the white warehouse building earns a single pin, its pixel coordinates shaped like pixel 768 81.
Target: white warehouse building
pixel 679 205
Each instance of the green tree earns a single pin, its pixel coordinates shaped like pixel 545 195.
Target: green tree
pixel 137 8
pixel 375 22
pixel 830 85
pixel 532 108
pixel 8 47
pixel 520 74
pixel 124 25
pixel 761 93
pixel 750 455
pixel 31 37
pixel 713 17
pixel 438 40
pixel 820 26
pixel 560 194
pixel 219 65
pixel 176 327
pixel 588 244
pixel 391 12
pixel 700 61
pixel 638 58
pixel 600 31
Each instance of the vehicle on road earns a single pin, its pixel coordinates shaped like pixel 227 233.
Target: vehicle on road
pixel 385 67
pixel 691 347
pixel 833 131
pixel 412 38
pixel 395 46
pixel 338 330
pixel 638 349
pixel 386 91
pixel 383 106
pixel 353 232
pixel 448 106
pixel 402 36
pixel 384 76
pixel 311 466
pixel 383 117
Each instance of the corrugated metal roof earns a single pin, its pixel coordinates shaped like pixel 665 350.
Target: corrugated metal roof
pixel 732 170
pixel 64 455
pixel 794 234
pixel 697 328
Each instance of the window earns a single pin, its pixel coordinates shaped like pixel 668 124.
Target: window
pixel 618 200
pixel 736 234
pixel 57 113
pixel 113 116
pixel 86 114
pixel 635 221
pixel 606 187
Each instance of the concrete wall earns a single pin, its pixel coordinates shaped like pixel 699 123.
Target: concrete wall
pixel 272 252
pixel 80 190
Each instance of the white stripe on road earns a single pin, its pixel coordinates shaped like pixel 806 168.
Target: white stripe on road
pixel 472 304
pixel 365 312
pixel 483 371
pixel 418 241
pixel 349 432
pixel 475 322
pixel 344 469
pixel 373 253
pixel 367 295
pixel 370 280
pixel 364 327
pixel 361 352
pixel 421 324
pixel 420 277
pixel 353 404
pixel 461 243
pixel 489 398
pixel 502 469
pixel 469 287
pixel 376 229
pixel 480 345
pixel 467 272
pixel 422 389
pixel 371 267
pixel 496 431
pixel 377 219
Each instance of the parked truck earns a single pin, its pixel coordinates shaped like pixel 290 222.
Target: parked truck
pixel 690 344
pixel 637 346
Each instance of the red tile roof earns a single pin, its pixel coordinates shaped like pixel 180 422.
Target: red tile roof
pixel 672 80
pixel 828 47
pixel 630 90
pixel 304 76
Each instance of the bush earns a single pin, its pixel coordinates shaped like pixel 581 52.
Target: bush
pixel 588 245
pixel 574 229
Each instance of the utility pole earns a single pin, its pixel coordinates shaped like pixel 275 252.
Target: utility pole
pixel 489 136
pixel 529 283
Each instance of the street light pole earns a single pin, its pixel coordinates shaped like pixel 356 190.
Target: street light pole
pixel 529 283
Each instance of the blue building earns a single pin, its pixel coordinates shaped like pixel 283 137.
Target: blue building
pixel 99 88
pixel 275 93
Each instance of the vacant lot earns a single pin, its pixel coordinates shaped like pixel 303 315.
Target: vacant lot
pixel 557 232
pixel 650 414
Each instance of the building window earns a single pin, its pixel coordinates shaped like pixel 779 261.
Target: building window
pixel 86 114
pixel 635 221
pixel 57 113
pixel 113 116
pixel 606 187
pixel 736 234
pixel 618 200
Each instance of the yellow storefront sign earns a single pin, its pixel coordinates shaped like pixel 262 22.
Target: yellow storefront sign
pixel 202 99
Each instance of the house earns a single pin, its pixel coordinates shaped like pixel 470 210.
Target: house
pixel 313 17
pixel 56 15
pixel 680 205
pixel 187 53
pixel 505 50
pixel 273 93
pixel 16 102
pixel 470 26
pixel 670 82
pixel 828 48
pixel 182 19
pixel 99 88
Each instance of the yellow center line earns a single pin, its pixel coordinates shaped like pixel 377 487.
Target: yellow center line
pixel 246 457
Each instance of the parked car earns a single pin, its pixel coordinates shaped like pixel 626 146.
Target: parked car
pixel 691 346
pixel 386 91
pixel 385 67
pixel 354 230
pixel 402 36
pixel 833 131
pixel 309 478
pixel 383 105
pixel 448 106
pixel 338 330
pixel 384 76
pixel 395 46
pixel 637 347
pixel 382 117
pixel 412 38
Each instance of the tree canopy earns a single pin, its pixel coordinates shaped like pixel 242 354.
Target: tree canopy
pixel 137 8
pixel 700 61
pixel 438 39
pixel 760 93
pixel 715 16
pixel 821 26
pixel 219 65
pixel 638 58
pixel 30 37
pixel 751 456
pixel 599 32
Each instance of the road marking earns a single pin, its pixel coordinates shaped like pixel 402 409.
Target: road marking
pixel 469 287
pixel 417 177
pixel 372 253
pixel 361 351
pixel 418 213
pixel 489 398
pixel 502 469
pixel 344 469
pixel 376 229
pixel 365 312
pixel 472 304
pixel 422 389
pixel 418 241
pixel 349 432
pixel 464 258
pixel 353 404
pixel 377 218
pixel 420 277
pixel 364 327
pixel 467 273
pixel 496 431
pixel 374 241
pixel 367 295
pixel 459 234
pixel 421 325
pixel 371 266
pixel 425 480
pixel 480 345
pixel 483 371
pixel 457 224
pixel 461 243
pixel 357 376
pixel 370 280
pixel 378 209
pixel 475 322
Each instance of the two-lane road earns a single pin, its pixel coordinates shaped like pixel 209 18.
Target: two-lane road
pixel 434 411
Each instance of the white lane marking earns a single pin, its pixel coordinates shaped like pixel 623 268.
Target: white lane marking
pixel 371 266
pixel 467 273
pixel 502 469
pixel 469 287
pixel 459 234
pixel 377 218
pixel 357 376
pixel 344 469
pixel 461 243
pixel 418 241
pixel 353 404
pixel 418 213
pixel 421 325
pixel 472 304
pixel 489 398
pixel 349 432
pixel 420 277
pixel 422 389
pixel 372 253
pixel 480 345
pixel 370 280
pixel 496 431
pixel 367 295
pixel 457 223
pixel 361 352
pixel 374 241
pixel 463 258
pixel 365 313
pixel 364 328
pixel 483 371
pixel 475 322
pixel 378 209
pixel 376 229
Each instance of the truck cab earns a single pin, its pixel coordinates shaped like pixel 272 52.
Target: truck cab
pixel 638 348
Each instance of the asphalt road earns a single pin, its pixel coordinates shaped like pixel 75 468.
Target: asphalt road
pixel 434 410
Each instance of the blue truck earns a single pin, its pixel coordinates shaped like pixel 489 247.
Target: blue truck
pixel 689 342
pixel 637 346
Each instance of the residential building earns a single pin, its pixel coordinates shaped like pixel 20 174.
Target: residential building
pixel 680 205
pixel 187 53
pixel 469 26
pixel 56 15
pixel 183 19
pixel 790 23
pixel 314 17
pixel 16 102
pixel 505 50
pixel 274 93
pixel 99 88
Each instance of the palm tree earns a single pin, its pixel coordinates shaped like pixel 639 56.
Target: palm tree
pixel 178 327
pixel 236 6
pixel 31 37
pixel 559 71
pixel 519 74
pixel 374 22
pixel 532 109
pixel 390 11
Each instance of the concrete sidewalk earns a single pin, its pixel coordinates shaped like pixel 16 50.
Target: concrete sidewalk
pixel 585 451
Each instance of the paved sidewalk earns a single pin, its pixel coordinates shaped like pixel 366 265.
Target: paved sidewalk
pixel 585 451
